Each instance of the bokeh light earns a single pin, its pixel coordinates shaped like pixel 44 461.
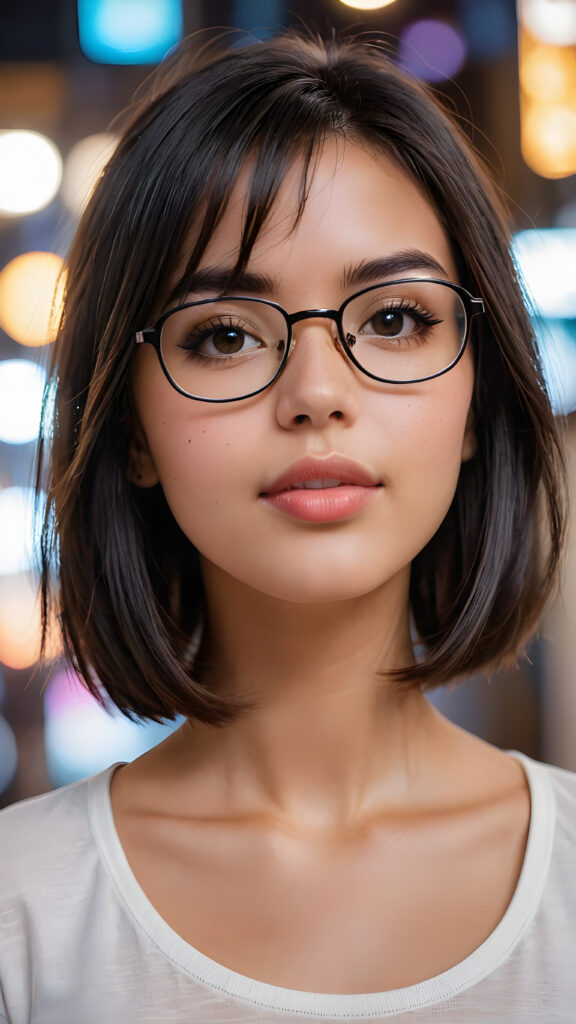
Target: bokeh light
pixel 548 73
pixel 20 623
pixel 30 171
pixel 550 21
pixel 31 294
pixel 549 139
pixel 16 529
pixel 128 31
pixel 367 5
pixel 83 167
pixel 557 346
pixel 489 27
pixel 82 738
pixel 546 260
pixel 22 385
pixel 432 50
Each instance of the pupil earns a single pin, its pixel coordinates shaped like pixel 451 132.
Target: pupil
pixel 388 323
pixel 228 341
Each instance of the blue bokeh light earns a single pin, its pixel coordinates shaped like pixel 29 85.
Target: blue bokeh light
pixel 128 31
pixel 545 260
pixel 489 26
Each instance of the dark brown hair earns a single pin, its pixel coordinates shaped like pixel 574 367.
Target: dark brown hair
pixel 127 584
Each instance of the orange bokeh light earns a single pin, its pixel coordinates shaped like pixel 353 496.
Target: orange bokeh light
pixel 31 295
pixel 547 105
pixel 20 623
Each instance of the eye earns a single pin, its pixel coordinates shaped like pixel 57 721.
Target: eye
pixel 398 321
pixel 218 339
pixel 390 324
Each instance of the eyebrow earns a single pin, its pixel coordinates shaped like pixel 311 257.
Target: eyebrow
pixel 221 279
pixel 404 262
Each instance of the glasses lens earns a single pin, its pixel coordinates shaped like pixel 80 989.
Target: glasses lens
pixel 403 332
pixel 224 348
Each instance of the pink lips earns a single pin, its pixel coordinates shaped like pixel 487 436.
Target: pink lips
pixel 347 487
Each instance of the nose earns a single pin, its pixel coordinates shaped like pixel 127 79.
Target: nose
pixel 318 384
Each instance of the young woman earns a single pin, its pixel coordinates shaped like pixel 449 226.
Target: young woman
pixel 303 469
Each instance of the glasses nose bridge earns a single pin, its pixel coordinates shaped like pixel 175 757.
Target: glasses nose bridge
pixel 313 314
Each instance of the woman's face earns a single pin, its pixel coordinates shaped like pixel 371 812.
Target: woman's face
pixel 220 466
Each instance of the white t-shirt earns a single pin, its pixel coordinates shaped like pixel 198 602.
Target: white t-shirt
pixel 81 944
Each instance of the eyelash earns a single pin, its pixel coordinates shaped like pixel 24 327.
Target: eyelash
pixel 407 306
pixel 199 334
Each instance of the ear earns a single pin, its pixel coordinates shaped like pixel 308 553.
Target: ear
pixel 469 442
pixel 141 469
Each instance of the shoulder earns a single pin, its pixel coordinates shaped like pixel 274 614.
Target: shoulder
pixel 553 832
pixel 53 892
pixel 558 786
pixel 39 819
pixel 41 836
pixel 561 786
pixel 552 886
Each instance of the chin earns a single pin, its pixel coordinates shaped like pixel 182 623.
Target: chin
pixel 301 582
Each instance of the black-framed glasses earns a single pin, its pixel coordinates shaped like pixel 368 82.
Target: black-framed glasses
pixel 232 347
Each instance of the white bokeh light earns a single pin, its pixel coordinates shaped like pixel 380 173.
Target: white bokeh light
pixel 30 171
pixel 367 5
pixel 22 385
pixel 546 260
pixel 550 21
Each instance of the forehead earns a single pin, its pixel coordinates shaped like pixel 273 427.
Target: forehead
pixel 359 206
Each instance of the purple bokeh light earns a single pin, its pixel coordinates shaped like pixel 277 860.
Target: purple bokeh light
pixel 432 50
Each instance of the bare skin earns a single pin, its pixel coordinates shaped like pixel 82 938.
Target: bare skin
pixel 342 837
pixel 396 894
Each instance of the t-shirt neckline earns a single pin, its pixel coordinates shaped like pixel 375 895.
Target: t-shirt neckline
pixel 480 963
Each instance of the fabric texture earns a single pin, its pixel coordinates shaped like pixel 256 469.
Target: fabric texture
pixel 80 943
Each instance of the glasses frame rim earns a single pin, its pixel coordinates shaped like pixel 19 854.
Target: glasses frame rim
pixel 473 306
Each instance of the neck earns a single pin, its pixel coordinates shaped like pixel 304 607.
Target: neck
pixel 331 736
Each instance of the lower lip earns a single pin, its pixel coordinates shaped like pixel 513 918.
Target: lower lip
pixel 323 505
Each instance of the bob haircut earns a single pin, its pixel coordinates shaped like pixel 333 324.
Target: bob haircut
pixel 127 586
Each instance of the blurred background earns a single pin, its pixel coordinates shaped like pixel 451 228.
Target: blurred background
pixel 67 67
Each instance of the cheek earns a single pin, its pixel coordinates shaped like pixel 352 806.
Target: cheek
pixel 195 460
pixel 425 436
pixel 203 459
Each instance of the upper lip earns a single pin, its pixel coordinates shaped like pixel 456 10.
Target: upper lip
pixel 332 467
